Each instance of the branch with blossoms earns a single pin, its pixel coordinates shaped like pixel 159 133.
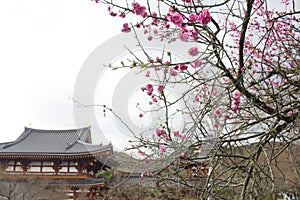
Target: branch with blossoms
pixel 239 97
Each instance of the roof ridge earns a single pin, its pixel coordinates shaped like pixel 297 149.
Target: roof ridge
pixel 88 144
pixel 85 144
pixel 3 143
pixel 101 145
pixel 59 130
pixel 69 145
pixel 20 138
pixel 80 134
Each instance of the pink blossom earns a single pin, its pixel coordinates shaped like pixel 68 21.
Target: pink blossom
pixel 160 132
pixel 154 14
pixel 234 109
pixel 232 26
pixel 236 94
pixel 141 153
pixel 123 15
pixel 154 100
pixel 275 83
pixel 176 133
pixel 176 18
pixel 149 88
pixel 147 74
pixel 125 28
pixel 143 174
pixel 183 155
pixel 138 25
pixel 137 8
pixel 192 17
pixel 152 172
pixel 193 51
pixel 236 100
pixel 236 103
pixel 167 63
pixel 268 68
pixel 226 116
pixel 158 59
pixel 166 138
pixel 145 162
pixel 204 17
pixel 183 67
pixel 183 35
pixel 217 112
pixel 170 166
pixel 173 72
pixel 113 14
pixel 144 14
pixel 160 88
pixel 149 37
pixel 286 2
pixel 194 34
pixel 215 93
pixel 162 149
pixel 196 63
pixel 141 115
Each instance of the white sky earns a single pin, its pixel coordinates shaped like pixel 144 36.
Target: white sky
pixel 43 45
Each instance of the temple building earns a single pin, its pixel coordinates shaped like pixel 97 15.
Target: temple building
pixel 59 156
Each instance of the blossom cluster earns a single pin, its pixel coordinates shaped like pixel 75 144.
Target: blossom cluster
pixel 162 133
pixel 139 10
pixel 149 89
pixel 259 55
pixel 177 18
pixel 180 20
pixel 236 100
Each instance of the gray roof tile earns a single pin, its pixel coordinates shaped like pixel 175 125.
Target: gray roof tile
pixel 39 141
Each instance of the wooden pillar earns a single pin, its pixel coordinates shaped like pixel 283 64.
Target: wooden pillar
pixel 3 165
pixel 74 194
pixel 74 189
pixel 81 165
pixel 91 194
pixel 56 166
pixel 24 165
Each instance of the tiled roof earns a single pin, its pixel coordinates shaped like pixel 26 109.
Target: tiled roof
pixel 37 141
pixel 88 181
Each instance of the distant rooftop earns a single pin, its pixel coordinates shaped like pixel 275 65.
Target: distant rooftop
pixel 63 142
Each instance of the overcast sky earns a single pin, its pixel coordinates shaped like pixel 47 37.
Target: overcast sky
pixel 43 45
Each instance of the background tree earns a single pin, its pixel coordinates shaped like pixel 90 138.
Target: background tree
pixel 17 187
pixel 240 100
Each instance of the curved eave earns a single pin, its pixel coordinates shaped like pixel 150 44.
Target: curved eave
pixel 101 184
pixel 52 155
